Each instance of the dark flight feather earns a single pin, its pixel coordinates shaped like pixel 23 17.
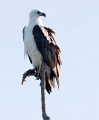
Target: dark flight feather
pixel 44 38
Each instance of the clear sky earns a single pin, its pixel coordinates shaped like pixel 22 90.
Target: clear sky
pixel 76 23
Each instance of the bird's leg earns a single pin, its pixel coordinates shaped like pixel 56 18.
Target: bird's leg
pixel 38 73
pixel 28 73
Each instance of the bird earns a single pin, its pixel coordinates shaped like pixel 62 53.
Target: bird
pixel 40 47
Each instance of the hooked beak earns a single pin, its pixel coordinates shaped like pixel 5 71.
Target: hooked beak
pixel 42 14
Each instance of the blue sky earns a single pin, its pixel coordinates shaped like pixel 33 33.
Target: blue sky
pixel 76 23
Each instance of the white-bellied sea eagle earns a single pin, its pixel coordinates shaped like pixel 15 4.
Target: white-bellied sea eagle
pixel 40 46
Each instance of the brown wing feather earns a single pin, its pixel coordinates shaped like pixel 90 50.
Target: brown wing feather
pixel 46 44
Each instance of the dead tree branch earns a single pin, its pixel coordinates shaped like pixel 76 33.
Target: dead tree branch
pixel 33 72
pixel 44 115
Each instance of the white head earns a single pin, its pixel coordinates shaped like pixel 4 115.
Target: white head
pixel 36 14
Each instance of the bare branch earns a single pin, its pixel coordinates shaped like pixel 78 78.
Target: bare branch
pixel 30 72
pixel 33 72
pixel 44 115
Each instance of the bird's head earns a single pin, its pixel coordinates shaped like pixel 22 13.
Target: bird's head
pixel 35 14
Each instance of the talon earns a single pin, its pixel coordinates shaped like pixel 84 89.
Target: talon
pixel 37 78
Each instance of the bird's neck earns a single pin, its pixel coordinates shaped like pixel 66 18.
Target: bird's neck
pixel 33 22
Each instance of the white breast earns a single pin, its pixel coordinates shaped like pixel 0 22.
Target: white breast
pixel 31 48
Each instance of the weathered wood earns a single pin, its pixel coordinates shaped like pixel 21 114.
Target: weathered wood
pixel 42 75
pixel 32 72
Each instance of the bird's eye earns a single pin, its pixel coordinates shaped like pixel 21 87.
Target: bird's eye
pixel 38 12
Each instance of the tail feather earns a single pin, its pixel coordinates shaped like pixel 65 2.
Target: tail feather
pixel 47 85
pixel 52 83
pixel 50 76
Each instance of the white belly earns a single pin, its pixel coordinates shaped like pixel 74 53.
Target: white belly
pixel 31 49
